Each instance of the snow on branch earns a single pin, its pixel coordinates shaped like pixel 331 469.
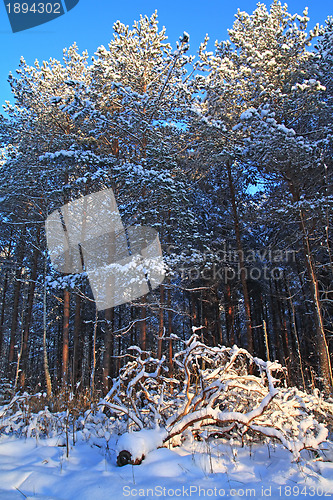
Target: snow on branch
pixel 216 391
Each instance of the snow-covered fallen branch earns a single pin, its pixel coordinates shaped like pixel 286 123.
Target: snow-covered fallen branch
pixel 215 391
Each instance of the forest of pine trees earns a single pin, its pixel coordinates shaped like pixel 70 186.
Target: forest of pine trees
pixel 228 155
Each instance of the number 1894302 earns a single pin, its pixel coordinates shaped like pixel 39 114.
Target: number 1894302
pixel 35 8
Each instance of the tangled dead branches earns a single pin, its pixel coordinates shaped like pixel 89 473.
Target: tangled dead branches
pixel 220 391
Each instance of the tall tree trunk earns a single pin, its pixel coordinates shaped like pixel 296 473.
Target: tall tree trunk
pixel 229 315
pixel 109 325
pixel 19 356
pixel 290 329
pixel 27 323
pixel 4 292
pixel 143 330
pixel 283 326
pixel 292 306
pixel 276 327
pixel 65 338
pixel 323 351
pixel 171 367
pixel 93 371
pixel 45 358
pixel 108 348
pixel 77 340
pixel 3 306
pixel 160 323
pixel 219 334
pixel 16 300
pixel 327 227
pixel 241 262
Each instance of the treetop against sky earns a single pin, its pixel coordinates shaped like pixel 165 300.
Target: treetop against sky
pixel 89 24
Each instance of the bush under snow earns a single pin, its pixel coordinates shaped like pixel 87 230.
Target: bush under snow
pixel 216 392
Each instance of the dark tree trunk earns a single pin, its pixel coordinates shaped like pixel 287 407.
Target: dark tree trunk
pixel 240 251
pixel 108 349
pixel 143 330
pixel 3 307
pixel 65 338
pixel 77 341
pixel 160 323
pixel 15 307
pixel 229 315
pixel 27 322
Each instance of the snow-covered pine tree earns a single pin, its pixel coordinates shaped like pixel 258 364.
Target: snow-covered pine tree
pixel 42 162
pixel 283 99
pixel 136 108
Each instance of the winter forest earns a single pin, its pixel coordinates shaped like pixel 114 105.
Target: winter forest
pixel 228 156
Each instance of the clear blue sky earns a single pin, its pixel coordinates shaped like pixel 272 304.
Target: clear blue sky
pixel 90 23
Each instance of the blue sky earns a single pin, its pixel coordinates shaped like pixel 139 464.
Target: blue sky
pixel 90 23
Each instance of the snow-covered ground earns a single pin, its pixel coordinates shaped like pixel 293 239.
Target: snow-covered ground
pixel 40 470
